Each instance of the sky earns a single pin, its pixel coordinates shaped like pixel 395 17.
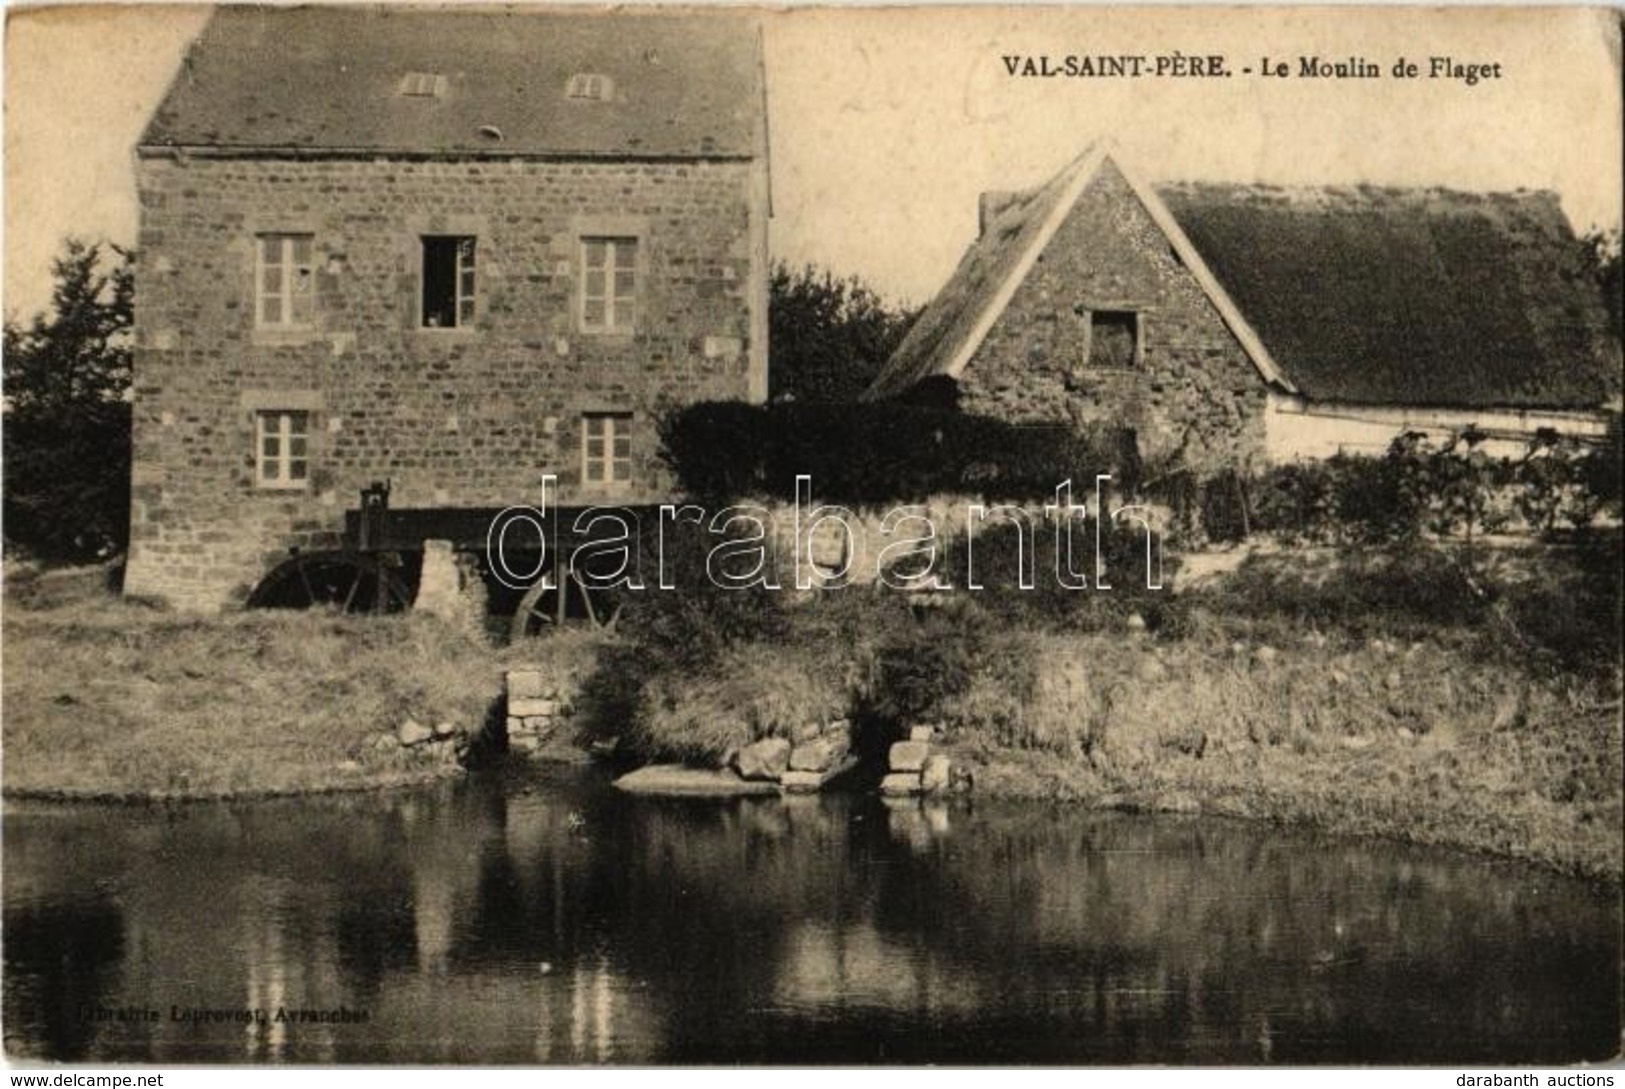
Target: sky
pixel 886 123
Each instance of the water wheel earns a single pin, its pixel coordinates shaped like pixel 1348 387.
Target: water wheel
pixel 354 582
pixel 552 602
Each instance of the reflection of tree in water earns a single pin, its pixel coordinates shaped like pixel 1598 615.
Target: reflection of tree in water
pixel 60 959
pixel 375 936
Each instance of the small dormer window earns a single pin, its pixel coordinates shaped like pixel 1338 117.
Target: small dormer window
pixel 593 86
pixel 422 85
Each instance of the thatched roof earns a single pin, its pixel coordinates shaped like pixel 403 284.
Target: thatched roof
pixel 1360 295
pixel 338 80
pixel 949 321
pixel 1408 296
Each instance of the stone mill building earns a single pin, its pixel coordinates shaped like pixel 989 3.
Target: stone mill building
pixel 456 250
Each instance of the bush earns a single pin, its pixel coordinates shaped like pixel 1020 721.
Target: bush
pixel 1568 614
pixel 1404 591
pixel 1048 603
pixel 67 481
pixel 918 671
pixel 933 391
pixel 997 703
pixel 1297 502
pixel 1224 507
pixel 1552 610
pixel 750 692
pixel 829 336
pixel 699 443
pixel 1559 481
pixel 1379 500
pixel 684 631
pixel 1457 483
pixel 1602 471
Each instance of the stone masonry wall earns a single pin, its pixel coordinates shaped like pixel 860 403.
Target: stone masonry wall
pixel 453 417
pixel 450 588
pixel 539 706
pixel 1196 387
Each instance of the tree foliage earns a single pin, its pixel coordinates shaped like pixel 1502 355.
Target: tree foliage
pixel 828 336
pixel 1602 257
pixel 67 411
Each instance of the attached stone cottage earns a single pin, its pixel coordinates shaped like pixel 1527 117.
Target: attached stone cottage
pixel 1230 325
pixel 455 250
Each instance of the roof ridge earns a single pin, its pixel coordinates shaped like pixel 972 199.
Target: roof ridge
pixel 1521 193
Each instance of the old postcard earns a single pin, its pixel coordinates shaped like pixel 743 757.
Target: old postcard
pixel 920 535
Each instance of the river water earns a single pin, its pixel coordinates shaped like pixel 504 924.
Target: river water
pixel 542 917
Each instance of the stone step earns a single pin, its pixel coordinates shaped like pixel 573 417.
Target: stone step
pixel 807 782
pixel 820 754
pixel 681 779
pixel 909 755
pixel 900 783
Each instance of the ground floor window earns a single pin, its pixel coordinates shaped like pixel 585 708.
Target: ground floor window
pixel 282 449
pixel 606 448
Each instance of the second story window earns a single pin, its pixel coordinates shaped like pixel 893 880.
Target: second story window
pixel 448 281
pixel 606 448
pixel 281 449
pixel 609 286
pixel 284 288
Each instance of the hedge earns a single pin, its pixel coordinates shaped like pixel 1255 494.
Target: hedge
pixel 1447 489
pixel 880 453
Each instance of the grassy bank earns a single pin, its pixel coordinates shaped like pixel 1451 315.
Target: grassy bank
pixel 1417 741
pixel 1404 695
pixel 1422 740
pixel 107 698
pixel 1414 695
pixel 1432 696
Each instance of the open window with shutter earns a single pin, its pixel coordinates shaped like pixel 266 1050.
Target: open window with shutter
pixel 448 281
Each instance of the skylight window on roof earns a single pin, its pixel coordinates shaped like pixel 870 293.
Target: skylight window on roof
pixel 422 85
pixel 593 86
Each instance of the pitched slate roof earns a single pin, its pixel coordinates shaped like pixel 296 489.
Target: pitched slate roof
pixel 1359 295
pixel 327 80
